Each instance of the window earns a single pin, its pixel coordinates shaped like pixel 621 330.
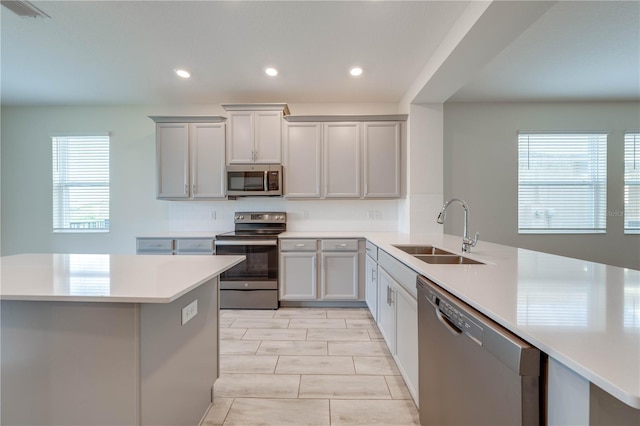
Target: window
pixel 632 183
pixel 562 183
pixel 80 183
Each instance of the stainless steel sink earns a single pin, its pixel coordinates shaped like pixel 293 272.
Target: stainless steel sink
pixel 446 259
pixel 416 250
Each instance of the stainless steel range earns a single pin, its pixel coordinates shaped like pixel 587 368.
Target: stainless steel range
pixel 252 284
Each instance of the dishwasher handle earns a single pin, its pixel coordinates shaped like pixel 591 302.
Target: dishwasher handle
pixel 446 323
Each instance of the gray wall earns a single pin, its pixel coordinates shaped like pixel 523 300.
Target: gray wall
pixel 481 167
pixel 26 182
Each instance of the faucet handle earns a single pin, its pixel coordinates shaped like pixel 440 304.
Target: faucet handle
pixel 467 243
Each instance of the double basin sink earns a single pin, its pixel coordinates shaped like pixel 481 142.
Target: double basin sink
pixel 435 255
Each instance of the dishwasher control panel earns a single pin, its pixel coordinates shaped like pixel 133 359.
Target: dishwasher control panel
pixel 455 315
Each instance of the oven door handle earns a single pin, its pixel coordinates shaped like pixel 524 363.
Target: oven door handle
pixel 246 243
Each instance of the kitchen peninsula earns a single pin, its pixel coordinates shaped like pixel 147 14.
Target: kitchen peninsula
pixel 109 339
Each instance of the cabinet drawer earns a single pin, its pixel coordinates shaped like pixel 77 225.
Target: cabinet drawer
pixel 404 275
pixel 154 246
pixel 372 250
pixel 194 246
pixel 339 245
pixel 298 245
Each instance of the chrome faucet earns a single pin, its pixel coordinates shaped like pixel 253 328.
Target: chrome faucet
pixel 467 242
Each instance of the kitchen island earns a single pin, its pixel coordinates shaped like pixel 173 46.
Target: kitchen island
pixel 109 339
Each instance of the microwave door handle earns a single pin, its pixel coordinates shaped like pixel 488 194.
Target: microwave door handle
pixel 266 180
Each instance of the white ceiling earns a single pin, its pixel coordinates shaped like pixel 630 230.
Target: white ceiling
pixel 124 52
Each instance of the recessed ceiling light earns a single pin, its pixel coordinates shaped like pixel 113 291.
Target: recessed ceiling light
pixel 271 72
pixel 183 73
pixel 355 71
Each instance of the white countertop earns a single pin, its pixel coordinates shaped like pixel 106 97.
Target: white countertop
pixel 585 315
pixel 106 278
pixel 178 235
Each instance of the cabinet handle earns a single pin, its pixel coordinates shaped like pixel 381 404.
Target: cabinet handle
pixel 388 302
pixel 186 188
pixel 299 245
pixel 193 189
pixel 373 274
pixel 341 245
pixel 156 245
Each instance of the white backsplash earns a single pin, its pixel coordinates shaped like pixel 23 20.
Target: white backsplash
pixel 320 215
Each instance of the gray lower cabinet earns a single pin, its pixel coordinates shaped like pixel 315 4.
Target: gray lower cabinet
pixel 371 279
pixel 397 316
pixel 298 270
pixel 339 271
pixel 195 245
pixel 320 270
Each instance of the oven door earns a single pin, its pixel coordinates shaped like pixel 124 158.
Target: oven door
pixel 260 266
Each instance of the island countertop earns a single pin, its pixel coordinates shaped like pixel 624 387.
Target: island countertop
pixel 585 315
pixel 106 277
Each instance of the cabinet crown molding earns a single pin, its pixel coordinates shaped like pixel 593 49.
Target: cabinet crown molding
pixel 258 107
pixel 188 118
pixel 346 117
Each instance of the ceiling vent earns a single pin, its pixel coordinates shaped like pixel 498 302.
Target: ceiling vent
pixel 24 9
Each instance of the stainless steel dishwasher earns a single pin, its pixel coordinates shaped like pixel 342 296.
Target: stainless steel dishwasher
pixel 472 371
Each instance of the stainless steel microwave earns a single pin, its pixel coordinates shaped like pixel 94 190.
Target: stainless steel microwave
pixel 249 180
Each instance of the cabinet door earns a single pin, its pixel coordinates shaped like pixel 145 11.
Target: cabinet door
pixel 241 136
pixel 298 276
pixel 302 157
pixel 204 246
pixel 268 137
pixel 339 276
pixel 371 286
pixel 154 246
pixel 341 160
pixel 381 159
pixel 386 309
pixel 172 156
pixel 407 339
pixel 207 159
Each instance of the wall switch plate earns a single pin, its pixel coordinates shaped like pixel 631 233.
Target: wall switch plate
pixel 189 311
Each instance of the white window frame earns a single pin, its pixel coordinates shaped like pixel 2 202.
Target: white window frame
pixel 549 165
pixel 632 180
pixel 69 177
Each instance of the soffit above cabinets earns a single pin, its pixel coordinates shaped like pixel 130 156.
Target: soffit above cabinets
pixel 338 118
pixel 258 107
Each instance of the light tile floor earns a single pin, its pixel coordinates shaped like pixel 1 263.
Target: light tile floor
pixel 307 366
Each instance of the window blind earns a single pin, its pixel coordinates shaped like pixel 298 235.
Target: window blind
pixel 80 183
pixel 632 183
pixel 562 183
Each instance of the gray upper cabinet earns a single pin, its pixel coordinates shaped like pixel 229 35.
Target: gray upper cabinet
pixel 302 150
pixel 341 145
pixel 190 159
pixel 328 156
pixel 172 156
pixel 381 141
pixel 254 133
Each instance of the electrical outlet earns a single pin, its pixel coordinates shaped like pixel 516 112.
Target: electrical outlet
pixel 305 214
pixel 189 311
pixel 212 214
